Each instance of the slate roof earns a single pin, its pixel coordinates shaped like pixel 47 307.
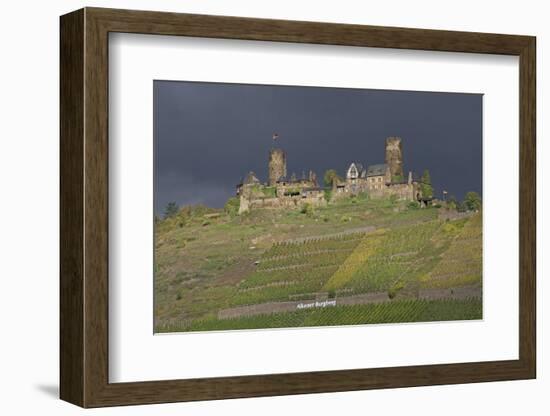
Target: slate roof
pixel 251 179
pixel 377 170
pixel 359 166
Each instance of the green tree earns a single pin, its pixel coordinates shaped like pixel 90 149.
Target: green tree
pixel 171 210
pixel 472 201
pixel 330 176
pixel 426 185
pixel 452 202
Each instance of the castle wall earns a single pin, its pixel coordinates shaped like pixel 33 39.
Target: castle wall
pixel 283 202
pixel 372 185
pixel 376 187
pixel 285 187
pixel 244 205
pixel 403 191
pixel 288 195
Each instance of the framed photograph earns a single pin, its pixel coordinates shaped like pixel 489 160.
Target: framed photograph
pixel 255 207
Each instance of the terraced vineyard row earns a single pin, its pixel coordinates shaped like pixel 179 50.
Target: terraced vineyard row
pixel 385 260
pixel 313 258
pixel 304 272
pixel 292 269
pixel 389 312
pixel 291 248
pixel 461 264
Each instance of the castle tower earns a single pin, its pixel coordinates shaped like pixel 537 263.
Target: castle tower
pixel 277 165
pixel 394 156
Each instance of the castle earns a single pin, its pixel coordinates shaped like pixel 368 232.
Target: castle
pixel 377 181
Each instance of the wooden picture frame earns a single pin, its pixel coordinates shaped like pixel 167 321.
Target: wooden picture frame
pixel 84 207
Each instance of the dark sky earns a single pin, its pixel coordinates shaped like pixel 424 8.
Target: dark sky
pixel 209 135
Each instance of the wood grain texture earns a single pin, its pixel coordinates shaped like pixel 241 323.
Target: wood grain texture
pixel 84 207
pixel 71 208
pixel 527 208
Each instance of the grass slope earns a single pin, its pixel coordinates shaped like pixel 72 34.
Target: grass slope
pixel 207 260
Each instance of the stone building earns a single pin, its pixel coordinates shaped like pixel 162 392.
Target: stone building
pixel 380 180
pixel 280 191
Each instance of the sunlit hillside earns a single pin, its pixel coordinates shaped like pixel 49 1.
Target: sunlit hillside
pixel 352 262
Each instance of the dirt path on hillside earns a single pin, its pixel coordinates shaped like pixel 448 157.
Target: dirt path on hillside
pixel 363 299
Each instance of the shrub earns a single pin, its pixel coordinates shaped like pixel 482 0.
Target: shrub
pixel 413 205
pixel 269 191
pixel 307 209
pixel 232 205
pixel 328 194
pixel 461 207
pixel 394 290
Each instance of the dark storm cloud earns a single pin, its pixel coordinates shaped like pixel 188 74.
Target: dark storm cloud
pixel 209 135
